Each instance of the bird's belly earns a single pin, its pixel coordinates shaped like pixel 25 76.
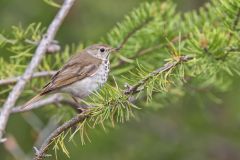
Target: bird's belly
pixel 81 88
pixel 86 86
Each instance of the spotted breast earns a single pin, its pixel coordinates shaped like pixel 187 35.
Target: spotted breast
pixel 86 86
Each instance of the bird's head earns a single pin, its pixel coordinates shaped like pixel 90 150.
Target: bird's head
pixel 100 51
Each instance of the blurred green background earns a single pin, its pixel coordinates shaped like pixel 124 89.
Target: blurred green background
pixel 185 131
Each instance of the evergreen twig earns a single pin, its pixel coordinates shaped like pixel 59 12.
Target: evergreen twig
pixel 80 117
pixel 144 51
pixel 234 27
pixel 40 154
pixel 135 88
pixel 134 31
pixel 116 102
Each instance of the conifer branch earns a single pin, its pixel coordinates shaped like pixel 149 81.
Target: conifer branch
pixel 107 104
pixel 234 27
pixel 139 53
pixel 137 28
pixel 144 51
pixel 40 153
pixel 135 88
pixel 39 53
pixel 13 80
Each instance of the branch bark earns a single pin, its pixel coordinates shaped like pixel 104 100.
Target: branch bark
pixel 44 102
pixel 54 99
pixel 35 75
pixel 40 154
pixel 39 53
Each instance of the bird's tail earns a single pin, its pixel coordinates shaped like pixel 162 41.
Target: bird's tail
pixel 31 101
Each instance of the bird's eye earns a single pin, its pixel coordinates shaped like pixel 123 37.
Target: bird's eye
pixel 102 50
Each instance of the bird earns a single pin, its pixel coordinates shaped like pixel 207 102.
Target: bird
pixel 84 73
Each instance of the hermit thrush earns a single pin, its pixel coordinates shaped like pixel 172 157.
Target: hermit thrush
pixel 82 74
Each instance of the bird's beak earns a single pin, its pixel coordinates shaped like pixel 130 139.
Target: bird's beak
pixel 115 49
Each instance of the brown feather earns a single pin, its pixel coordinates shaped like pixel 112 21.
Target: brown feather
pixel 78 67
pixel 33 100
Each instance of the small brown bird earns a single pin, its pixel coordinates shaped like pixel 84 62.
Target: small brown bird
pixel 83 73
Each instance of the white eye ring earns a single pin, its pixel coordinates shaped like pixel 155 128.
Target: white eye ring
pixel 102 50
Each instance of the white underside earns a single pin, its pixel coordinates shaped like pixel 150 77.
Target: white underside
pixel 90 84
pixel 82 88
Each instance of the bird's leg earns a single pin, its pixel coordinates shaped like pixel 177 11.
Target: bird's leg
pixel 76 100
pixel 81 107
pixel 78 105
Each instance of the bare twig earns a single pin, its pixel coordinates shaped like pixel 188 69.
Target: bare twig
pixel 54 99
pixel 14 149
pixel 33 120
pixel 46 131
pixel 44 102
pixel 35 75
pixel 52 47
pixel 40 153
pixel 40 51
pixel 135 88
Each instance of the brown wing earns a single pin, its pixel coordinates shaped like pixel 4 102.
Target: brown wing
pixel 78 67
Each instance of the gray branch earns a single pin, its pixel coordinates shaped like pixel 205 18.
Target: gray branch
pixel 56 98
pixel 53 99
pixel 39 53
pixel 13 80
pixel 40 154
